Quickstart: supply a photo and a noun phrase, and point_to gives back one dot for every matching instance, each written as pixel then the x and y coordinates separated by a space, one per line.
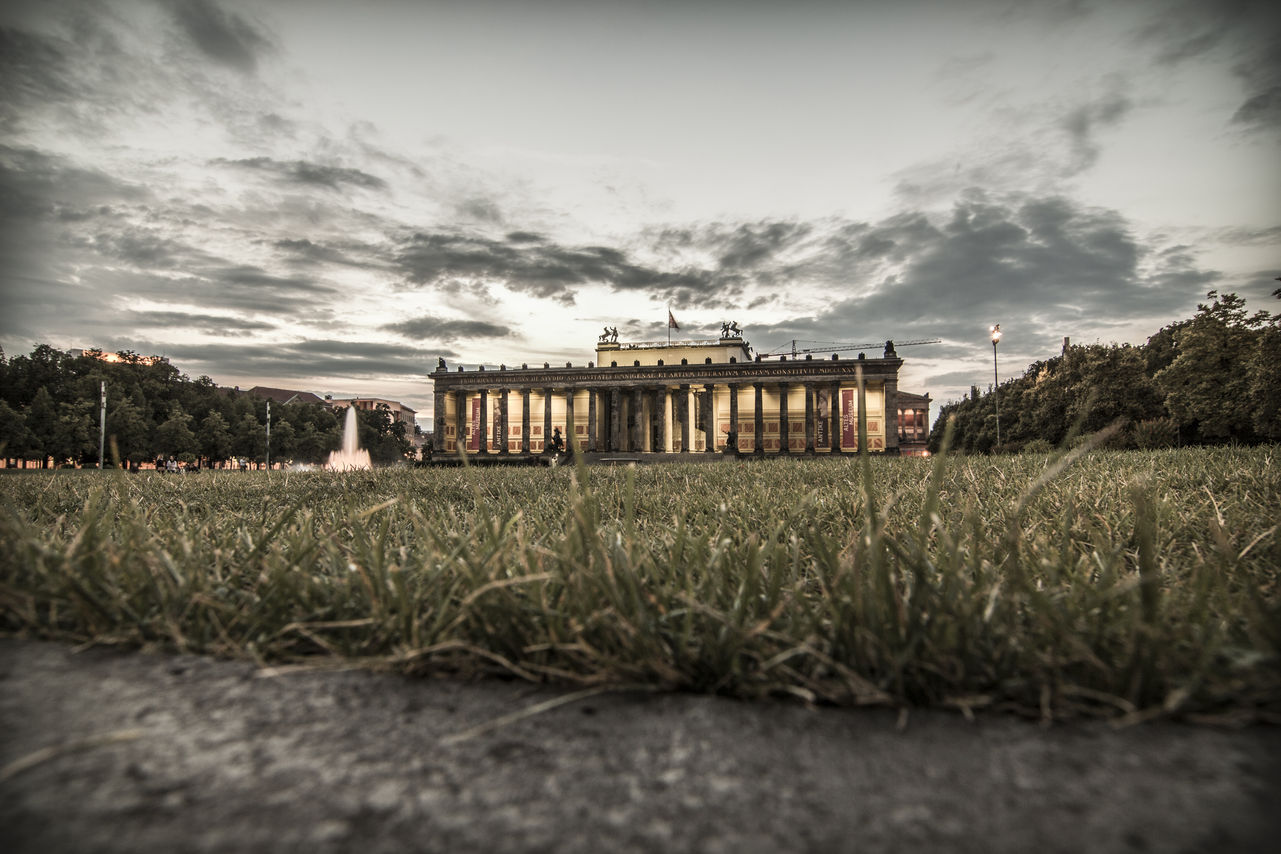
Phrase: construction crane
pixel 838 347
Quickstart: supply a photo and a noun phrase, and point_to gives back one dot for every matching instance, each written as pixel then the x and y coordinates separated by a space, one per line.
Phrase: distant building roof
pixel 907 398
pixel 284 395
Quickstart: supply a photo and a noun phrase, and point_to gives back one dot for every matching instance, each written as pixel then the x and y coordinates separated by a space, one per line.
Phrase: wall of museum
pixel 671 433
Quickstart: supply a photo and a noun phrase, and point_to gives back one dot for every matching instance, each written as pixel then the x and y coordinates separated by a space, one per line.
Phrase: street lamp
pixel 996 388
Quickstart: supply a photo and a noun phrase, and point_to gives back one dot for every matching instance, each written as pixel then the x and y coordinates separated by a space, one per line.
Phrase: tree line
pixel 50 409
pixel 1210 379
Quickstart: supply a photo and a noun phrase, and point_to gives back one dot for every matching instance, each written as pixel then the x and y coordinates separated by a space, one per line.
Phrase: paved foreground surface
pixel 107 751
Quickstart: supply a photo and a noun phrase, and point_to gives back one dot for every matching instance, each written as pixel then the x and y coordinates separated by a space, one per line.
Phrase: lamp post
pixel 996 377
pixel 102 425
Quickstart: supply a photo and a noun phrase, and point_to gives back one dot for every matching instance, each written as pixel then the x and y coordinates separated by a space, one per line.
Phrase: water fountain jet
pixel 350 457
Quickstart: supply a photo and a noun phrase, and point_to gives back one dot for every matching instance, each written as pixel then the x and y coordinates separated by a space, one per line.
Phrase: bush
pixel 1155 433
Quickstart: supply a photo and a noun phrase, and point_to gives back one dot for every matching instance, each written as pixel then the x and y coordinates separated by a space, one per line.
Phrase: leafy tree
pixel 1205 387
pixel 214 438
pixel 1263 378
pixel 313 445
pixel 249 439
pixel 74 436
pixel 174 436
pixel 15 438
pixel 382 435
pixel 129 429
pixel 283 440
pixel 41 420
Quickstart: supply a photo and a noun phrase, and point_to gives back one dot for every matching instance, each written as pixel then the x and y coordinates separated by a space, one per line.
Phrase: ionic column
pixel 483 427
pixel 439 429
pixel 637 438
pixel 660 412
pixel 733 415
pixel 460 421
pixel 524 421
pixel 591 420
pixel 684 407
pixel 709 420
pixel 614 440
pixel 809 418
pixel 504 423
pixel 889 393
pixel 547 421
pixel 784 424
pixel 569 419
pixel 758 420
pixel 836 418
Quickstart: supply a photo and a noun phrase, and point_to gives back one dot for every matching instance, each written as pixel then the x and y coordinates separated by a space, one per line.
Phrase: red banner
pixel 849 419
pixel 473 428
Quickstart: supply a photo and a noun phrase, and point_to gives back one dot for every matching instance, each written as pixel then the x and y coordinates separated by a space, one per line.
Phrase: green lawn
pixel 1120 584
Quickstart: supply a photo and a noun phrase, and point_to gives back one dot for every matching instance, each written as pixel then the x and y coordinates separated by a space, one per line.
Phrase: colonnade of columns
pixel 643 418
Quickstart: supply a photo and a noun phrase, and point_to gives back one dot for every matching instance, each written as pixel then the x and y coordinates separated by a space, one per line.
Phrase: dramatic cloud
pixel 209 324
pixel 1246 32
pixel 313 174
pixel 222 36
pixel 35 70
pixel 148 249
pixel 1083 122
pixel 341 360
pixel 1261 74
pixel 1056 264
pixel 529 265
pixel 440 329
pixel 347 253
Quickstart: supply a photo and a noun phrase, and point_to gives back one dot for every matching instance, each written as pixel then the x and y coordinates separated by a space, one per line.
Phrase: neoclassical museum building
pixel 681 397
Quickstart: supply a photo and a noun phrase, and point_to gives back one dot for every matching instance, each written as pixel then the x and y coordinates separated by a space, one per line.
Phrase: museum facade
pixel 677 398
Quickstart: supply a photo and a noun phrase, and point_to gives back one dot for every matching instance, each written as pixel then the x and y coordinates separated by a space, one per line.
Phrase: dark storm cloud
pixel 209 324
pixel 542 268
pixel 146 248
pixel 302 251
pixel 482 210
pixel 34 69
pixel 1261 74
pixel 1180 32
pixel 43 186
pixel 312 358
pixel 749 246
pixel 1246 31
pixel 224 37
pixel 222 287
pixel 70 73
pixel 306 173
pixel 1083 122
pixel 45 201
pixel 441 329
pixel 257 283
pixel 1249 236
pixel 1051 262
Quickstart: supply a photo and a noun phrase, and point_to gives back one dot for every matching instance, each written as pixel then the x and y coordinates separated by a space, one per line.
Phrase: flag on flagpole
pixel 671 321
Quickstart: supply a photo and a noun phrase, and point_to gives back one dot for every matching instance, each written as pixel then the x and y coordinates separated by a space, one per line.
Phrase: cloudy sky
pixel 329 195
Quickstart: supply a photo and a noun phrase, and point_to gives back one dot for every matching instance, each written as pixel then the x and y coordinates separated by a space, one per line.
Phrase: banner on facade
pixel 822 418
pixel 849 420
pixel 473 427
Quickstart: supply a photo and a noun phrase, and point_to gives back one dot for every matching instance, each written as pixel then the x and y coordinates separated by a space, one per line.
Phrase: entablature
pixel 627 376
